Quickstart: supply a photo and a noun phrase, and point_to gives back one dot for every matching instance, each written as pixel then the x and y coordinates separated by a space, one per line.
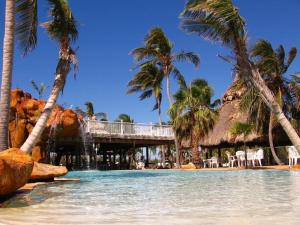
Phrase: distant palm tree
pixel 194 114
pixel 158 50
pixel 89 109
pixel 243 129
pixel 124 118
pixel 219 21
pixel 148 82
pixel 20 17
pixel 63 29
pixel 40 89
pixel 272 65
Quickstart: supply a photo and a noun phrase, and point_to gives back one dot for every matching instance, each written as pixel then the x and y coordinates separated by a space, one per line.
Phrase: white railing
pixel 129 129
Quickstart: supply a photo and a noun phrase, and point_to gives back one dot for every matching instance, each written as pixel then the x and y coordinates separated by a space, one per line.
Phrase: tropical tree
pixel 272 65
pixel 89 112
pixel 243 129
pixel 124 118
pixel 158 50
pixel 219 21
pixel 63 29
pixel 148 82
pixel 194 114
pixel 40 89
pixel 19 16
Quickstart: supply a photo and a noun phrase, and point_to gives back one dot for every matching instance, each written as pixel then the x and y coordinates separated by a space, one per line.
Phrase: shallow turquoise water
pixel 162 197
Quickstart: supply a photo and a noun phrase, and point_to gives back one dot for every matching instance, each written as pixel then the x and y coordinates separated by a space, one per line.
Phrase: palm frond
pixel 26 24
pixel 187 56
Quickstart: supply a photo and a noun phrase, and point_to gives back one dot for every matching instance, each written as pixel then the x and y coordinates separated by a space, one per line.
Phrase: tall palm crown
pixel 157 50
pixel 217 21
pixel 148 82
pixel 194 114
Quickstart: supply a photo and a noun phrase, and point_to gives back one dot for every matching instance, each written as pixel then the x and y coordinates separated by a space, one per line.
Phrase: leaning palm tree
pixel 272 64
pixel 158 50
pixel 219 21
pixel 193 113
pixel 148 82
pixel 20 15
pixel 63 29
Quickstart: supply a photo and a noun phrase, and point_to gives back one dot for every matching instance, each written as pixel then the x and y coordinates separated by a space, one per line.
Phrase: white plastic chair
pixel 214 161
pixel 231 159
pixel 259 155
pixel 251 157
pixel 293 155
pixel 240 155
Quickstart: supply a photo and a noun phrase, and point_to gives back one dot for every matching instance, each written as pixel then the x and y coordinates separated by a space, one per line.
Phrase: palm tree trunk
pixel 275 108
pixel 195 151
pixel 171 101
pixel 277 160
pixel 170 98
pixel 7 66
pixel 62 71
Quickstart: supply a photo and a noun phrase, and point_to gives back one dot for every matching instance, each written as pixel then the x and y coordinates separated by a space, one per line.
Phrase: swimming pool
pixel 162 197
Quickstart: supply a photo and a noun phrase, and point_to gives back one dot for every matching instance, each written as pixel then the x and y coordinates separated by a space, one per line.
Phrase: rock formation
pixel 15 170
pixel 24 113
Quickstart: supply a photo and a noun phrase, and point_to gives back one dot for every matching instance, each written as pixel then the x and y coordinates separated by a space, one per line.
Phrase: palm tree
pixel 148 82
pixel 89 109
pixel 124 118
pixel 158 50
pixel 40 89
pixel 19 15
pixel 219 21
pixel 193 113
pixel 63 29
pixel 272 65
pixel 243 129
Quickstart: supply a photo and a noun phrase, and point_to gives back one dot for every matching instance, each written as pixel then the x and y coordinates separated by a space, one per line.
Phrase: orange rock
pixel 70 124
pixel 38 154
pixel 18 133
pixel 15 170
pixel 43 171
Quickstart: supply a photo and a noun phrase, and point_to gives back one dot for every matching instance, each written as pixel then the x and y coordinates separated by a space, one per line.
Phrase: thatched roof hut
pixel 229 114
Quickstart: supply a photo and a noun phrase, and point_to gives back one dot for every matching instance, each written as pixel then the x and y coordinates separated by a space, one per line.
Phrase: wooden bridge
pixel 137 134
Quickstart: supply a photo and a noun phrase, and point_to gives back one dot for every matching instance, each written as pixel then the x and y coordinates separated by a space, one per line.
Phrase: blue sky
pixel 110 29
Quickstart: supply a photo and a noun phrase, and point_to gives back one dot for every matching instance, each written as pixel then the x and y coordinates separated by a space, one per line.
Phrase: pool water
pixel 162 197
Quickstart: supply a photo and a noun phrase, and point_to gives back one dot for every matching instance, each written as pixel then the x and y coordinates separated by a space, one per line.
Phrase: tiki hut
pixel 229 114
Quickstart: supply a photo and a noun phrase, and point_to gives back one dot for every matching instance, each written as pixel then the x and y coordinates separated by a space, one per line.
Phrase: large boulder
pixel 46 172
pixel 15 170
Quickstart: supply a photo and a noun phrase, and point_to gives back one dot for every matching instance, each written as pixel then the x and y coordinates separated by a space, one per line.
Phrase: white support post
pixel 122 128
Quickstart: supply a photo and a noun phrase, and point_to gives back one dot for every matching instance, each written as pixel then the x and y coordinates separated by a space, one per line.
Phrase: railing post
pixel 151 129
pixel 122 128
